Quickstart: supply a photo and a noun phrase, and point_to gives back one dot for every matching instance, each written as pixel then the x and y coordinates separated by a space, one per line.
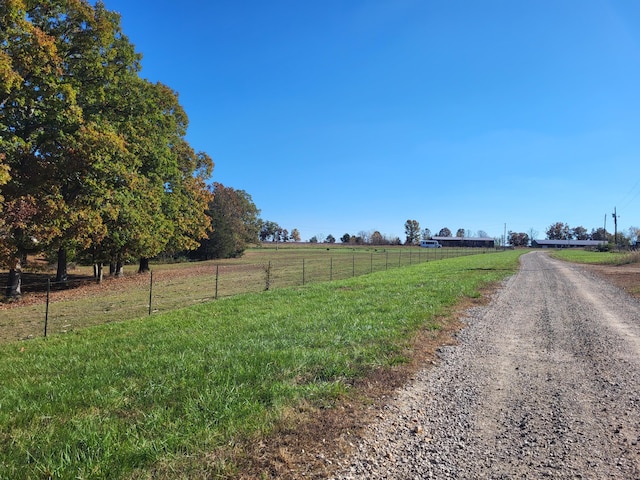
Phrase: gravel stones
pixel 544 383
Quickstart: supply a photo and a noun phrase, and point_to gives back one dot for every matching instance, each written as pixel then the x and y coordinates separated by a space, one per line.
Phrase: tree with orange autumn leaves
pixel 93 158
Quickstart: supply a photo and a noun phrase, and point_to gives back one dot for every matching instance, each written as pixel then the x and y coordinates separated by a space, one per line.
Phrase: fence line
pixel 165 290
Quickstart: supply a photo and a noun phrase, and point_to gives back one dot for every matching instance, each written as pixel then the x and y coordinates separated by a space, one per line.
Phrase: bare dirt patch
pixel 626 277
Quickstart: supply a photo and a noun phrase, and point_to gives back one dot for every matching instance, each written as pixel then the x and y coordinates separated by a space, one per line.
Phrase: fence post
pixel 268 277
pixel 46 311
pixel 386 261
pixel 217 270
pixel 303 271
pixel 330 269
pixel 150 290
pixel 353 266
pixel 371 269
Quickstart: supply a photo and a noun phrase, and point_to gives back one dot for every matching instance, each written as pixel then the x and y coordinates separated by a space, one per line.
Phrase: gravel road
pixel 544 383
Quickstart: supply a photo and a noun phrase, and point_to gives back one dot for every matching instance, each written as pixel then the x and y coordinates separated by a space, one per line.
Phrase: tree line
pixel 562 231
pixel 413 235
pixel 93 158
pixel 94 163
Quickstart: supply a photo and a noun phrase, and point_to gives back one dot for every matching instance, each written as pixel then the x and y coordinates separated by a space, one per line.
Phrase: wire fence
pixel 56 308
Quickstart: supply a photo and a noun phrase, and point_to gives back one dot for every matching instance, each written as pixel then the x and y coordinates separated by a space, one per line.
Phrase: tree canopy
pixel 94 158
pixel 412 232
pixel 235 221
pixel 518 239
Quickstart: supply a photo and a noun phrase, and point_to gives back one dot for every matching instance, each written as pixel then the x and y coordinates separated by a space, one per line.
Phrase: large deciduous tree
pixel 412 232
pixel 579 233
pixel 601 234
pixel 518 239
pixel 377 238
pixel 234 221
pixel 38 112
pixel 558 231
pixel 444 232
pixel 96 155
pixel 270 229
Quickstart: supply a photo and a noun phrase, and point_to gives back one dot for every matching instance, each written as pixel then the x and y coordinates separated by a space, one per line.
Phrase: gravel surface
pixel 545 383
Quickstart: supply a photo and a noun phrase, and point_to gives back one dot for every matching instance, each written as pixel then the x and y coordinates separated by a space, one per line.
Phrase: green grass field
pixel 191 283
pixel 584 256
pixel 156 397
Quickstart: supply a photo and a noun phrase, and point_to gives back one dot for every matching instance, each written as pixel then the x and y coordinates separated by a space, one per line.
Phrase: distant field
pixel 584 256
pixel 176 394
pixel 182 284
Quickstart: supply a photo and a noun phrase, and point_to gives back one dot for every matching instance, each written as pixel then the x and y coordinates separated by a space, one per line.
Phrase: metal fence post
pixel 217 270
pixel 46 311
pixel 150 290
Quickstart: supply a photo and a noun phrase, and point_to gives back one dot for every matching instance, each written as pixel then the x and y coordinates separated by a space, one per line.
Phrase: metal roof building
pixel 567 243
pixel 482 242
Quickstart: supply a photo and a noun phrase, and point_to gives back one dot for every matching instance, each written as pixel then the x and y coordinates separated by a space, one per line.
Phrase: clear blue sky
pixel 356 115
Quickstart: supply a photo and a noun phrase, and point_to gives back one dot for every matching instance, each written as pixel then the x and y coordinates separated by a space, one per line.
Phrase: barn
pixel 567 243
pixel 479 242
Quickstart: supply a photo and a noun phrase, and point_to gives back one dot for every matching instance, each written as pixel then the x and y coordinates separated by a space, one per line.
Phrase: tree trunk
pixel 61 273
pixel 144 265
pixel 119 272
pixel 14 283
pixel 97 272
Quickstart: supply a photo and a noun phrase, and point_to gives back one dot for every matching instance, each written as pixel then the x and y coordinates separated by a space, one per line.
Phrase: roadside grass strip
pixel 606 258
pixel 156 397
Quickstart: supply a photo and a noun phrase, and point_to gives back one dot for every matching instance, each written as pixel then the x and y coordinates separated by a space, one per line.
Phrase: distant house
pixel 480 242
pixel 567 243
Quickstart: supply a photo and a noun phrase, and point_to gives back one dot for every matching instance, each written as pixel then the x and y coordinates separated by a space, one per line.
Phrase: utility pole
pixel 504 237
pixel 615 226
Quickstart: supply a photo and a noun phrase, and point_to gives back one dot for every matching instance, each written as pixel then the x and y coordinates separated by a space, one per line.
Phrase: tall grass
pixel 150 398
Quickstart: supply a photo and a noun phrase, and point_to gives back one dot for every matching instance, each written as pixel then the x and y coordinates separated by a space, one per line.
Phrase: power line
pixel 631 194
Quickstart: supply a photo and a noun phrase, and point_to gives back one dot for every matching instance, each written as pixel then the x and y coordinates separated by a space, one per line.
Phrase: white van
pixel 430 244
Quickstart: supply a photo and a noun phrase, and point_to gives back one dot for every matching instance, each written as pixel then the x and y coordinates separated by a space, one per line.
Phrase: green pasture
pixel 585 256
pixel 178 285
pixel 174 394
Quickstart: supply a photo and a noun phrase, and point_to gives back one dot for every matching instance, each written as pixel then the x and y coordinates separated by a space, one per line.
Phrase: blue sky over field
pixel 355 115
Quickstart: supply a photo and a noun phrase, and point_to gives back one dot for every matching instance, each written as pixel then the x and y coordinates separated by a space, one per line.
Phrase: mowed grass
pixel 607 258
pixel 172 395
